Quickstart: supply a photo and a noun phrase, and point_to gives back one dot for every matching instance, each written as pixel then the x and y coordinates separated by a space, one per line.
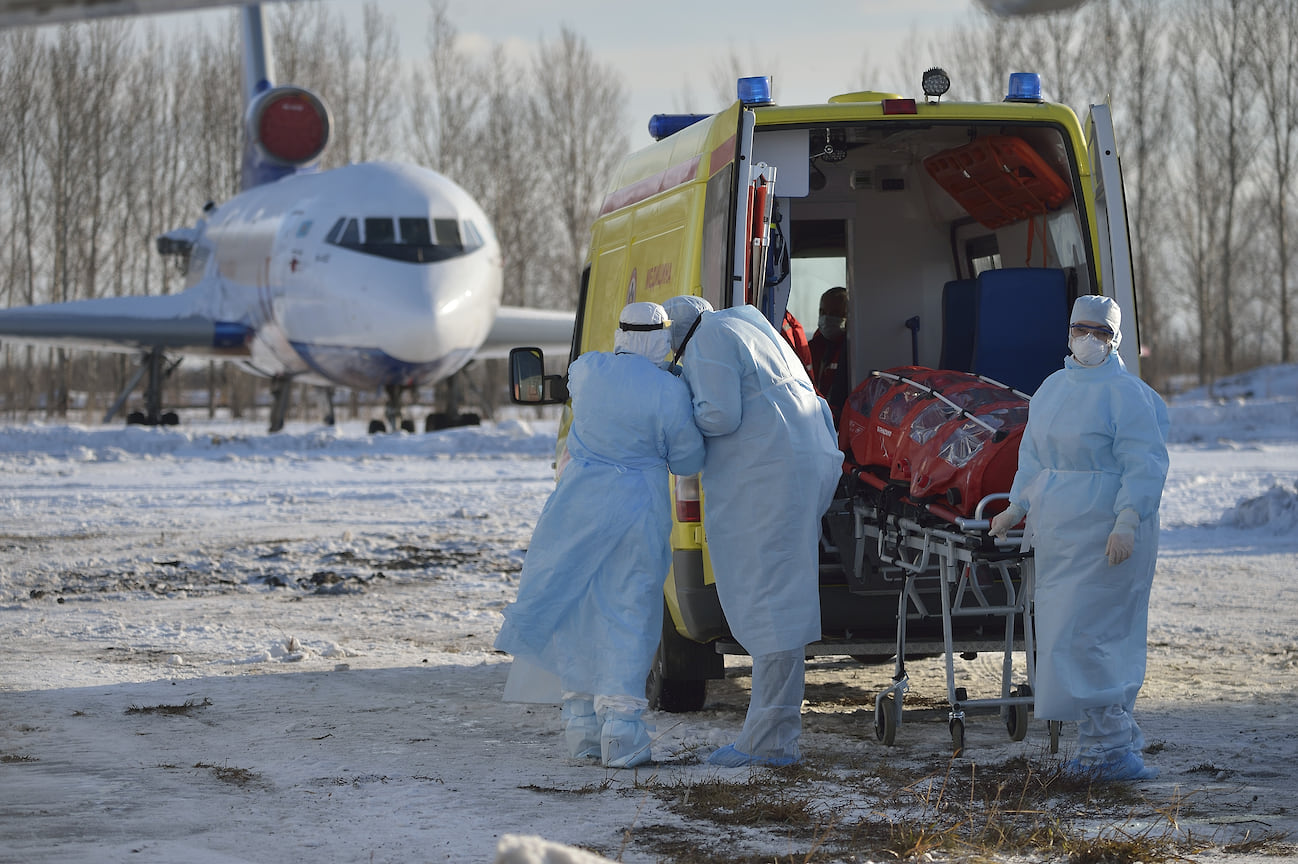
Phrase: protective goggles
pixel 1104 334
pixel 643 328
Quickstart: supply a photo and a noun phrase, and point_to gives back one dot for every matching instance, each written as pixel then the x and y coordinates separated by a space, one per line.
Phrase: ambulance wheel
pixel 885 720
pixel 957 736
pixel 1016 721
pixel 378 427
pixel 678 678
pixel 408 426
pixel 673 695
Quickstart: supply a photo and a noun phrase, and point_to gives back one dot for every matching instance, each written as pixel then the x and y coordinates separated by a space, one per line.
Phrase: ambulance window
pixel 809 278
pixel 982 253
pixel 714 260
pixel 379 230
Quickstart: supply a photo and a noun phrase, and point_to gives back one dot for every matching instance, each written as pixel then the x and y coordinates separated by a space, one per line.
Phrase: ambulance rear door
pixel 1116 273
pixel 752 197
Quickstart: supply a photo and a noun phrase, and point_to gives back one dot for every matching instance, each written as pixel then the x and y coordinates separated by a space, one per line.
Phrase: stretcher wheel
pixel 957 736
pixel 1016 721
pixel 1054 727
pixel 885 720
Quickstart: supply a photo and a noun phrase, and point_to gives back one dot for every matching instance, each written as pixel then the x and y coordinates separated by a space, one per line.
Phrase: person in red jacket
pixel 828 345
pixel 796 335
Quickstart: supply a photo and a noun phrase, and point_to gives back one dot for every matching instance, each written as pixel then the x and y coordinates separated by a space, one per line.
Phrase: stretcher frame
pixel 947 558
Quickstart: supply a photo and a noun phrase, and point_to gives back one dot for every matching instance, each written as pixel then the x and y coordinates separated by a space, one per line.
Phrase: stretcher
pixel 930 458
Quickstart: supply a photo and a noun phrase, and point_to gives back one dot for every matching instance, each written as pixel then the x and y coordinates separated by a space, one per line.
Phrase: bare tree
pixel 1218 31
pixel 1131 63
pixel 982 55
pixel 446 97
pixel 1274 37
pixel 577 111
pixel 378 77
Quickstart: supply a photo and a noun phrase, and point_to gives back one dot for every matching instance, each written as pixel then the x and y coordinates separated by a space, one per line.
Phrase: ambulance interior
pixel 961 245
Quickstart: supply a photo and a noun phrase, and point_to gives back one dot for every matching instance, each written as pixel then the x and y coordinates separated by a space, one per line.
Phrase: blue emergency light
pixel 755 90
pixel 662 125
pixel 1024 87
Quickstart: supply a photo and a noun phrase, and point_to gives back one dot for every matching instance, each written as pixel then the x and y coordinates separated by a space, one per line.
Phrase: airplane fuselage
pixel 366 276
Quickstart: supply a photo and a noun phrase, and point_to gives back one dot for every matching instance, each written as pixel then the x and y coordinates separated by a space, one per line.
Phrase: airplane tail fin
pixel 287 128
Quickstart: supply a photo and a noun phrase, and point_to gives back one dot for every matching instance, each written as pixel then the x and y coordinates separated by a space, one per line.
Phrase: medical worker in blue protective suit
pixel 772 466
pixel 1091 470
pixel 590 601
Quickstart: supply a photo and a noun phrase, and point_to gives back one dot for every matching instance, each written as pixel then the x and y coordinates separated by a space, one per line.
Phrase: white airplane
pixel 372 275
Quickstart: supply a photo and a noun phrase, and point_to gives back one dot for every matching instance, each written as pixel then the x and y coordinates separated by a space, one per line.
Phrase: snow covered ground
pixel 218 645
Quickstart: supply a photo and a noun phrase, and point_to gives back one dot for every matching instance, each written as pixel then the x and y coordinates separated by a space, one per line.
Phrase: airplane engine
pixel 290 126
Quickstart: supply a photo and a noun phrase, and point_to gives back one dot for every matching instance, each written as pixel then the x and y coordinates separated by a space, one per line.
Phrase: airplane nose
pixel 424 323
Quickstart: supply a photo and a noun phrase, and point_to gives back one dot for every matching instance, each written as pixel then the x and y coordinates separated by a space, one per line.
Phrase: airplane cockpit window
pixel 379 231
pixel 448 233
pixel 414 232
pixel 406 238
pixel 472 239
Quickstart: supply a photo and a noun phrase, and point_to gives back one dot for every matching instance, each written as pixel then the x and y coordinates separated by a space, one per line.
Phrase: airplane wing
pixel 176 322
pixel 27 13
pixel 517 326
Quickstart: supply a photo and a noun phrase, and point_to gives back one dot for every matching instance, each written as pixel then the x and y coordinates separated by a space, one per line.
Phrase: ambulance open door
pixel 753 197
pixel 1116 273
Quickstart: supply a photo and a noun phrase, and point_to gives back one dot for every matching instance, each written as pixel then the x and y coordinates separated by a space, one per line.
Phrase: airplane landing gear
pixel 452 416
pixel 154 366
pixel 392 411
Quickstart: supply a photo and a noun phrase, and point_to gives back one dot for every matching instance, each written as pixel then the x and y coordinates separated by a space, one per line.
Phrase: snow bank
pixel 1276 509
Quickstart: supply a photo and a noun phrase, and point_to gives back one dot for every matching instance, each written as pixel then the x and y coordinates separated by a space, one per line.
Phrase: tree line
pixel 112 132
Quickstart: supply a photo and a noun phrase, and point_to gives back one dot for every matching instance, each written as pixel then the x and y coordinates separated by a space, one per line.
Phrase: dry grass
pixel 953 810
pixel 189 707
pixel 240 777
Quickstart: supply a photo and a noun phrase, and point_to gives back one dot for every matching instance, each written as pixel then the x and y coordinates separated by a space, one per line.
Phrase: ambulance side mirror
pixel 529 385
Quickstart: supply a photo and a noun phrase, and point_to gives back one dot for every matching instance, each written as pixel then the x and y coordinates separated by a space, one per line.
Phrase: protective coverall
pixel 772 466
pixel 1092 465
pixel 589 605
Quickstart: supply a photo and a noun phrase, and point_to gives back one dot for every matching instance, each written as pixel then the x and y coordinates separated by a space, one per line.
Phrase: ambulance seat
pixel 1020 325
pixel 959 306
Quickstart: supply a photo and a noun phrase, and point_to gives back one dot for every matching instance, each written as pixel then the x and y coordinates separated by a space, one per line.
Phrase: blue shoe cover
pixel 729 757
pixel 1129 766
pixel 582 736
pixel 624 743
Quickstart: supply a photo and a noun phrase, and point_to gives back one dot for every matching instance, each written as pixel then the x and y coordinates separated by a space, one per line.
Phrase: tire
pixel 678 679
pixel 378 427
pixel 1016 719
pixel 674 695
pixel 885 721
pixel 957 736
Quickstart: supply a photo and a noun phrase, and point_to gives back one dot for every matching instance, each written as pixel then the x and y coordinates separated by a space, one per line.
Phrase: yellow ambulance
pixel 962 232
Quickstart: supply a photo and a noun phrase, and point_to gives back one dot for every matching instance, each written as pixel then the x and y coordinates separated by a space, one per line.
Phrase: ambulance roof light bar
pixel 1024 87
pixel 662 125
pixel 755 90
